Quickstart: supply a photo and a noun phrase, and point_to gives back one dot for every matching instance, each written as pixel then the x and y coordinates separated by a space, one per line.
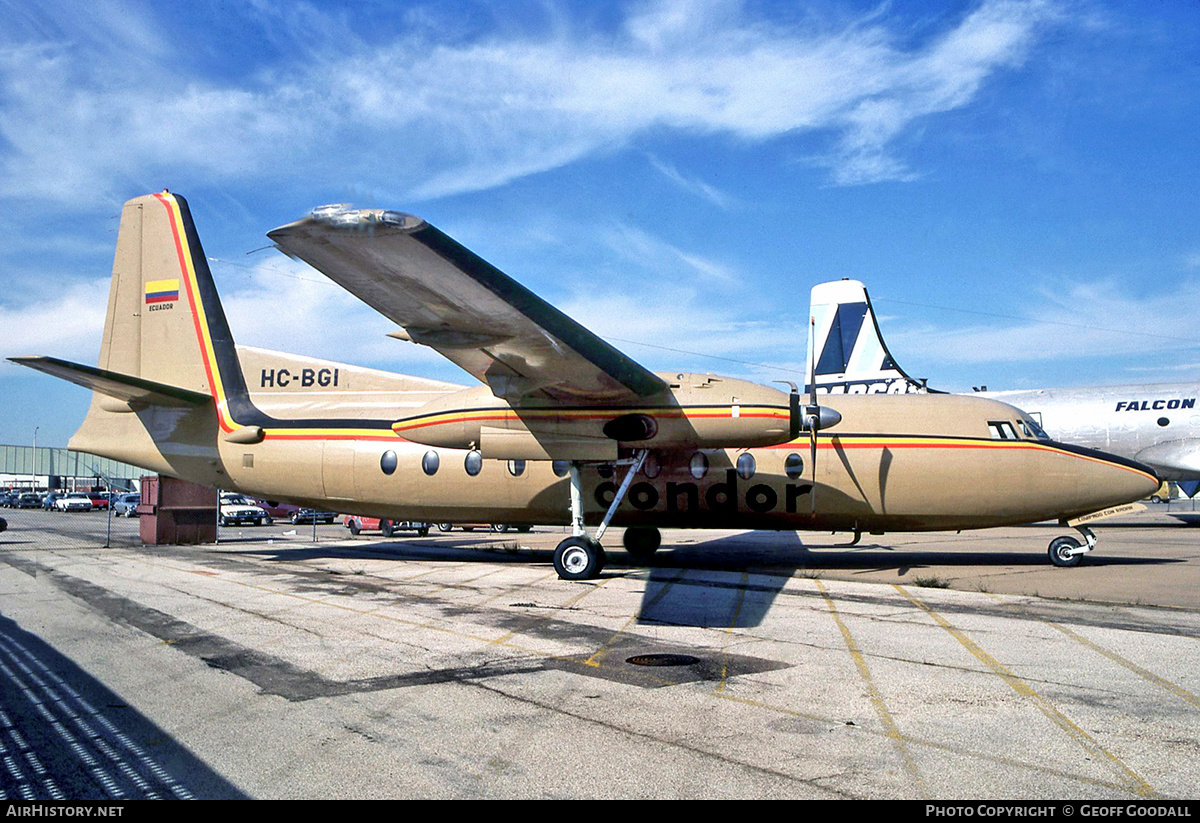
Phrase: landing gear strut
pixel 581 557
pixel 1066 551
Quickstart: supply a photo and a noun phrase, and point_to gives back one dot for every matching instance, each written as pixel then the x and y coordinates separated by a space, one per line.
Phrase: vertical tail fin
pixel 165 323
pixel 849 355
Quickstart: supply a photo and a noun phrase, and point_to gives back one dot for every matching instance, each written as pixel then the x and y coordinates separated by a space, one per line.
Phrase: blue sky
pixel 1016 182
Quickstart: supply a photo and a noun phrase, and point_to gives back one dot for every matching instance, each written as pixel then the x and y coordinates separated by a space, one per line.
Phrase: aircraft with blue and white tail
pixel 1156 424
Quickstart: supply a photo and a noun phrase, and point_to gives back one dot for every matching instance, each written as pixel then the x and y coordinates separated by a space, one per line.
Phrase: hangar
pixel 43 467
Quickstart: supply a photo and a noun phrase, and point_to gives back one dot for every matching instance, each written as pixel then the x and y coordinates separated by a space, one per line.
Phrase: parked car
pixel 3 524
pixel 100 500
pixel 73 502
pixel 356 523
pixel 491 527
pixel 7 498
pixel 28 500
pixel 236 509
pixel 125 505
pixel 307 515
pixel 273 508
pixel 48 500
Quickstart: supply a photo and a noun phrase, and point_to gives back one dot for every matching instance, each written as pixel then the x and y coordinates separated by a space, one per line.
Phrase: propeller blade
pixel 813 412
pixel 813 423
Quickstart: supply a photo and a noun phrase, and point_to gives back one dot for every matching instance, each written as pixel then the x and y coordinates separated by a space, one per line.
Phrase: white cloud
pixel 66 325
pixel 83 119
pixel 1085 321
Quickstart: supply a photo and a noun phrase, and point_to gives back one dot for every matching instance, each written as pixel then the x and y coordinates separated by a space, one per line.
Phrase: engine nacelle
pixel 695 411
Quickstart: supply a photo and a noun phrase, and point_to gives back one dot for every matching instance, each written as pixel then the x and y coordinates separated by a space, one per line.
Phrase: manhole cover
pixel 662 660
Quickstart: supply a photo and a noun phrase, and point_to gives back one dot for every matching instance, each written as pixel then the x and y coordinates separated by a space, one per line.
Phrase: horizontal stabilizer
pixel 132 390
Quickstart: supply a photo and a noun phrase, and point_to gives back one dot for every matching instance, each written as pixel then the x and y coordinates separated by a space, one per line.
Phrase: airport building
pixel 40 468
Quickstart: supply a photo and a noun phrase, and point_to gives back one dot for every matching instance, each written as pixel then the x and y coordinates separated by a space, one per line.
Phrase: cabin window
pixel 652 465
pixel 745 465
pixel 699 465
pixel 473 462
pixel 387 462
pixel 430 463
pixel 560 467
pixel 1002 430
pixel 793 465
pixel 1162 421
pixel 516 467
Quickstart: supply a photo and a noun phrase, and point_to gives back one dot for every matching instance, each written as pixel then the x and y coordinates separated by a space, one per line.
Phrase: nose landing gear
pixel 1066 551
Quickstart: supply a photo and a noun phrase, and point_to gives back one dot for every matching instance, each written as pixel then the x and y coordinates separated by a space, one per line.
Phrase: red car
pixel 357 523
pixel 100 500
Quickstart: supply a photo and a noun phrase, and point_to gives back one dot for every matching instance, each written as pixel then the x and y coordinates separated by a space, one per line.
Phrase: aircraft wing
pixel 446 297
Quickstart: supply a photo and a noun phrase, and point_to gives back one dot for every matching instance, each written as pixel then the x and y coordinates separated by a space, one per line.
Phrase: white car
pixel 73 502
pixel 236 509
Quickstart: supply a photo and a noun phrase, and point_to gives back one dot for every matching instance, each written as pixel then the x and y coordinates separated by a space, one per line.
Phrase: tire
pixel 1058 552
pixel 641 542
pixel 445 527
pixel 500 528
pixel 294 518
pixel 524 529
pixel 353 527
pixel 578 558
pixel 387 528
pixel 423 532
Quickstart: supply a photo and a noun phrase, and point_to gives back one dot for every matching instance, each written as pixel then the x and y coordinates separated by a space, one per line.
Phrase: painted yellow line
pixel 1174 689
pixel 891 730
pixel 594 660
pixel 737 614
pixel 1133 781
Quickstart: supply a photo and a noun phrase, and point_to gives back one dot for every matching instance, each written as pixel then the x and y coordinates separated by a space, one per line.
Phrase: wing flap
pixel 447 297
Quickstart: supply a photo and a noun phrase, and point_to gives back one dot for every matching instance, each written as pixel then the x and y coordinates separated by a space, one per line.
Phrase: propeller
pixel 815 416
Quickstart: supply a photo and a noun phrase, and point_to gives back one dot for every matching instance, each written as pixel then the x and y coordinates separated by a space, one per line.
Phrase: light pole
pixel 33 485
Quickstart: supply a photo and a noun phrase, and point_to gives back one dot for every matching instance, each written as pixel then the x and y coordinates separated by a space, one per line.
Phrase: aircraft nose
pixel 1116 480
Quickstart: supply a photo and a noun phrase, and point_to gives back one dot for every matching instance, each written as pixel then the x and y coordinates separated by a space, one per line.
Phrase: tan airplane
pixel 563 429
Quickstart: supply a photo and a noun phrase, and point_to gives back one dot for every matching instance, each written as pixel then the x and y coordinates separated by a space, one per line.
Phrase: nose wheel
pixel 1066 551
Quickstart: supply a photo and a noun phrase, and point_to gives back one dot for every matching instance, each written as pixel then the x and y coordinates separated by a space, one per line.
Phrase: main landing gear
pixel 1066 551
pixel 581 557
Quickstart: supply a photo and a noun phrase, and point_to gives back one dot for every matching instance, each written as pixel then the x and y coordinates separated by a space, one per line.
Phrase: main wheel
pixel 1060 551
pixel 578 558
pixel 642 541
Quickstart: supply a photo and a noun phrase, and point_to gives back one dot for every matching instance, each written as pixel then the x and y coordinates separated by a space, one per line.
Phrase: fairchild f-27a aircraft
pixel 562 428
pixel 1155 424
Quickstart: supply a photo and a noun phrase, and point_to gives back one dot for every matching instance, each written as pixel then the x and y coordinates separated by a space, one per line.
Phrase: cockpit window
pixel 1002 430
pixel 1031 428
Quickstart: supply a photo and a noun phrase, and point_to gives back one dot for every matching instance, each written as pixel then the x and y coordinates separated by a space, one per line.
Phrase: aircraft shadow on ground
pixel 745 572
pixel 68 735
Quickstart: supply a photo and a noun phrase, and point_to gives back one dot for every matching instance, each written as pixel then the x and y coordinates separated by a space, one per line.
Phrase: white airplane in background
pixel 1155 424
